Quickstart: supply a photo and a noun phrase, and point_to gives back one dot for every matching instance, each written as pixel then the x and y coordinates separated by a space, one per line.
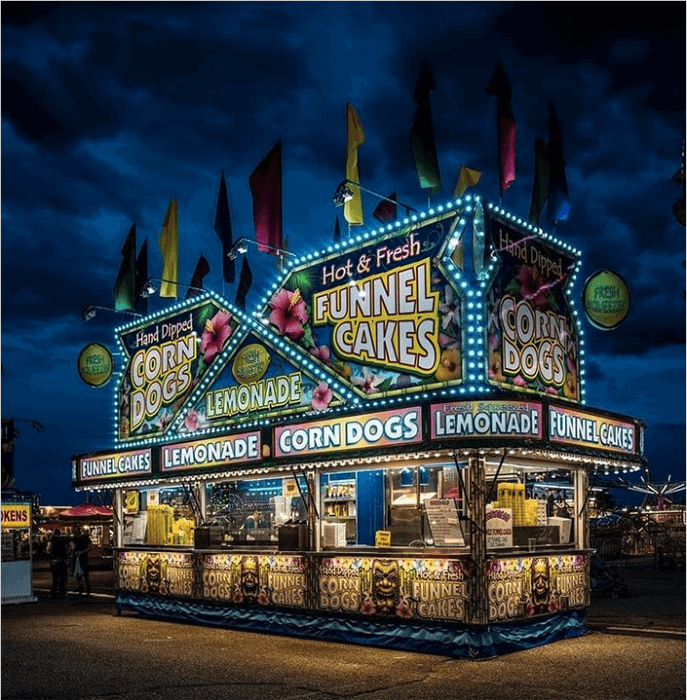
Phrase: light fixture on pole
pixel 240 248
pixel 89 312
pixel 344 194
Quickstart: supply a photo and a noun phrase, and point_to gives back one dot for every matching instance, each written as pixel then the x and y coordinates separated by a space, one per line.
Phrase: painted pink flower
pixel 368 382
pixel 551 390
pixel 321 396
pixel 263 599
pixel 533 288
pixel 215 335
pixel 368 608
pixel 519 381
pixel 192 421
pixel 323 354
pixel 553 606
pixel 288 313
pixel 404 610
pixel 238 597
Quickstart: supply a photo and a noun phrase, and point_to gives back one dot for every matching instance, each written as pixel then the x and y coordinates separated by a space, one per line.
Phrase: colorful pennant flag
pixel 422 133
pixel 125 284
pixel 386 210
pixel 245 283
pixel 337 230
pixel 558 206
pixel 355 137
pixel 196 285
pixel 507 130
pixel 142 278
pixel 265 186
pixel 540 185
pixel 169 247
pixel 223 230
pixel 467 177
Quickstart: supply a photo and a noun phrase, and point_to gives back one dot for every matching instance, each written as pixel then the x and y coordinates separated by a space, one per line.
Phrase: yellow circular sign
pixel 251 363
pixel 606 299
pixel 95 364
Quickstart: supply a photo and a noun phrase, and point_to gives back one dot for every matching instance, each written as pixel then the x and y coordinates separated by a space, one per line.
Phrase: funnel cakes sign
pixel 533 340
pixel 383 316
pixel 165 360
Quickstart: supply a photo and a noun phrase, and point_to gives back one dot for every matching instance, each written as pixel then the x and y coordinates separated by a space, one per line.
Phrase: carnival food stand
pixel 369 456
pixel 17 555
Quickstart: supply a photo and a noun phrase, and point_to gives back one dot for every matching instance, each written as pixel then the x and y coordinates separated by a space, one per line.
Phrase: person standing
pixel 82 546
pixel 59 551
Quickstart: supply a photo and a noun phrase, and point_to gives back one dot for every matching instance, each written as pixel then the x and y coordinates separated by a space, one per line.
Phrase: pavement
pixel 79 649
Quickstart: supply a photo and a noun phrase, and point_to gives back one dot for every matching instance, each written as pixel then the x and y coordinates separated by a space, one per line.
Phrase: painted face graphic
pixel 153 572
pixel 249 578
pixel 540 584
pixel 385 584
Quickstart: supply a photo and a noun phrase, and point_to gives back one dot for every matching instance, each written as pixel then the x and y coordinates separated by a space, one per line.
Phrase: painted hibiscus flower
pixel 323 354
pixel 404 610
pixel 288 313
pixel 368 382
pixel 368 608
pixel 519 381
pixel 450 309
pixel 215 335
pixel 321 396
pixel 449 366
pixel 192 421
pixel 533 287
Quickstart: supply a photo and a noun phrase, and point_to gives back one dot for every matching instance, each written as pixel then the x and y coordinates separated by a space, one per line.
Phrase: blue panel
pixel 370 491
pixel 452 640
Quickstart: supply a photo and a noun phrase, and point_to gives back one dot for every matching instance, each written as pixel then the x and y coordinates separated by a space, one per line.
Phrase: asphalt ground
pixel 79 649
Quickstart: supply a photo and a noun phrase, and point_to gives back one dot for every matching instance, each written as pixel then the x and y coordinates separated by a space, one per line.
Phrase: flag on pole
pixel 422 133
pixel 506 128
pixel 355 137
pixel 558 206
pixel 169 247
pixel 223 230
pixel 386 210
pixel 125 284
pixel 142 278
pixel 337 230
pixel 265 186
pixel 540 185
pixel 196 285
pixel 467 177
pixel 245 283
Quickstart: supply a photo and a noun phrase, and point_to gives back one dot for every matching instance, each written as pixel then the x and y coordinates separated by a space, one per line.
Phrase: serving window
pixel 418 505
pixel 162 516
pixel 253 512
pixel 531 508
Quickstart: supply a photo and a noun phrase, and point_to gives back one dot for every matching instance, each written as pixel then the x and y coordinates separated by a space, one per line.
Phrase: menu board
pixel 443 522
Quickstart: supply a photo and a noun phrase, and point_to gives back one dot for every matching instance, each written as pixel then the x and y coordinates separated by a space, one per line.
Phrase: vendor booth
pixel 393 449
pixel 17 579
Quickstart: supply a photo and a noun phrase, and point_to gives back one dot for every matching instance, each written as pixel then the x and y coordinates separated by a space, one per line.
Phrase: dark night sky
pixel 111 109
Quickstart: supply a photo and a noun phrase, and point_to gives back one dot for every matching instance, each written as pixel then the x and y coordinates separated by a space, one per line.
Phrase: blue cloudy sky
pixel 109 110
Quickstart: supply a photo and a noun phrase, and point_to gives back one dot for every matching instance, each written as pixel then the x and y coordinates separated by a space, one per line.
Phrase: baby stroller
pixel 605 581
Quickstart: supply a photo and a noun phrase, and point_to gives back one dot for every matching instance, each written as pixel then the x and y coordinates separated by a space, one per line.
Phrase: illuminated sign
pixel 16 515
pixel 231 449
pixel 384 316
pixel 535 585
pixel 400 588
pixel 467 419
pixel 132 463
pixel 388 319
pixel 258 381
pixel 261 395
pixel 532 337
pixel 397 427
pixel 166 359
pixel 606 299
pixel 95 364
pixel 586 430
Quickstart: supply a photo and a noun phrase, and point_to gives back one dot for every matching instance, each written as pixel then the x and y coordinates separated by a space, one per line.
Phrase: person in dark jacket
pixel 59 552
pixel 82 546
